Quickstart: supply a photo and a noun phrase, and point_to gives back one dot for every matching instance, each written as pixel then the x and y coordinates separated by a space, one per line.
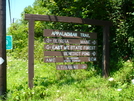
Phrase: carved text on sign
pixel 70 67
pixel 70 34
pixel 57 33
pixel 70 53
pixel 70 41
pixel 70 59
pixel 69 47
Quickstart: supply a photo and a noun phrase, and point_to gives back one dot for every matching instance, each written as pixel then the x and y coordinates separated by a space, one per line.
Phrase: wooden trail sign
pixel 71 67
pixel 68 34
pixel 70 41
pixel 70 53
pixel 63 45
pixel 70 59
pixel 32 18
pixel 70 47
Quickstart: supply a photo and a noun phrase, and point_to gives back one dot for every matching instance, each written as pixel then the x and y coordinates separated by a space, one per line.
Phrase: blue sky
pixel 17 7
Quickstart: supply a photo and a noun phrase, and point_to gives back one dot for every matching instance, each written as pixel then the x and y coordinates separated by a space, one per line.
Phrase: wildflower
pixel 58 90
pixel 119 89
pixel 128 61
pixel 24 92
pixel 111 79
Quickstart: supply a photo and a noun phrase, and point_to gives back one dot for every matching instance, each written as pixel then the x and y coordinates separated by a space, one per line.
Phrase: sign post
pixel 105 57
pixel 105 24
pixel 3 84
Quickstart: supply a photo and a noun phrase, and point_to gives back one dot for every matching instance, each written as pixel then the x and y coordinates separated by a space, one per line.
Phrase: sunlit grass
pixel 71 85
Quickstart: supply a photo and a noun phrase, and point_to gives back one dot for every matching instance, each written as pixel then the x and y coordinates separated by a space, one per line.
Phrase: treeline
pixel 119 12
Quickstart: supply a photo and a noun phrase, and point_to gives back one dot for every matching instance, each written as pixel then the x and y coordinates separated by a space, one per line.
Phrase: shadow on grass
pixel 68 77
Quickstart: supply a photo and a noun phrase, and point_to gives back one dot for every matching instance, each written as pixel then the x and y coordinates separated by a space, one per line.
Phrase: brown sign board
pixel 0 82
pixel 69 34
pixel 71 67
pixel 70 53
pixel 70 47
pixel 70 41
pixel 69 59
pixel 32 18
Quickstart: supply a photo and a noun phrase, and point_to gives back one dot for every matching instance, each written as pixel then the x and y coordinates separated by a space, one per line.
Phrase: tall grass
pixel 71 85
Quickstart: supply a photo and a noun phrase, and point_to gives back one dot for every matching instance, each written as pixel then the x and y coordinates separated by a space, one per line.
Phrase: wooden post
pixel 3 85
pixel 105 56
pixel 31 53
pixel 32 17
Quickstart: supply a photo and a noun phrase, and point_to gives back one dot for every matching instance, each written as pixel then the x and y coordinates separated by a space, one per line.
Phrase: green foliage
pixel 19 32
pixel 70 85
pixel 81 85
pixel 120 12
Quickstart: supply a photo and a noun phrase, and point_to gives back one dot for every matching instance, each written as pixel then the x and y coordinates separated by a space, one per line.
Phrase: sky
pixel 17 7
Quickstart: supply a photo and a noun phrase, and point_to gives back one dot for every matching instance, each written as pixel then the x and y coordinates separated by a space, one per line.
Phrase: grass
pixel 70 85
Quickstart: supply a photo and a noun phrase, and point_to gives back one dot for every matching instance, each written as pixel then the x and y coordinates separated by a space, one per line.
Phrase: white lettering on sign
pixel 62 41
pixel 1 60
pixel 86 53
pixel 89 47
pixel 57 41
pixel 94 53
pixel 70 41
pixel 92 59
pixel 78 53
pixel 85 41
pixel 50 60
pixel 94 42
pixel 48 47
pixel 63 33
pixel 71 53
pixel 57 47
pixel 76 47
pixel 66 47
pixel 84 35
pixel 69 47
pixel 48 40
pixel 68 67
pixel 84 67
pixel 65 67
pixel 71 60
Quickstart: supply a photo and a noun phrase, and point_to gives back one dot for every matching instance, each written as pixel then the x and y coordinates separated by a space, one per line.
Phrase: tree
pixel 3 84
pixel 120 12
